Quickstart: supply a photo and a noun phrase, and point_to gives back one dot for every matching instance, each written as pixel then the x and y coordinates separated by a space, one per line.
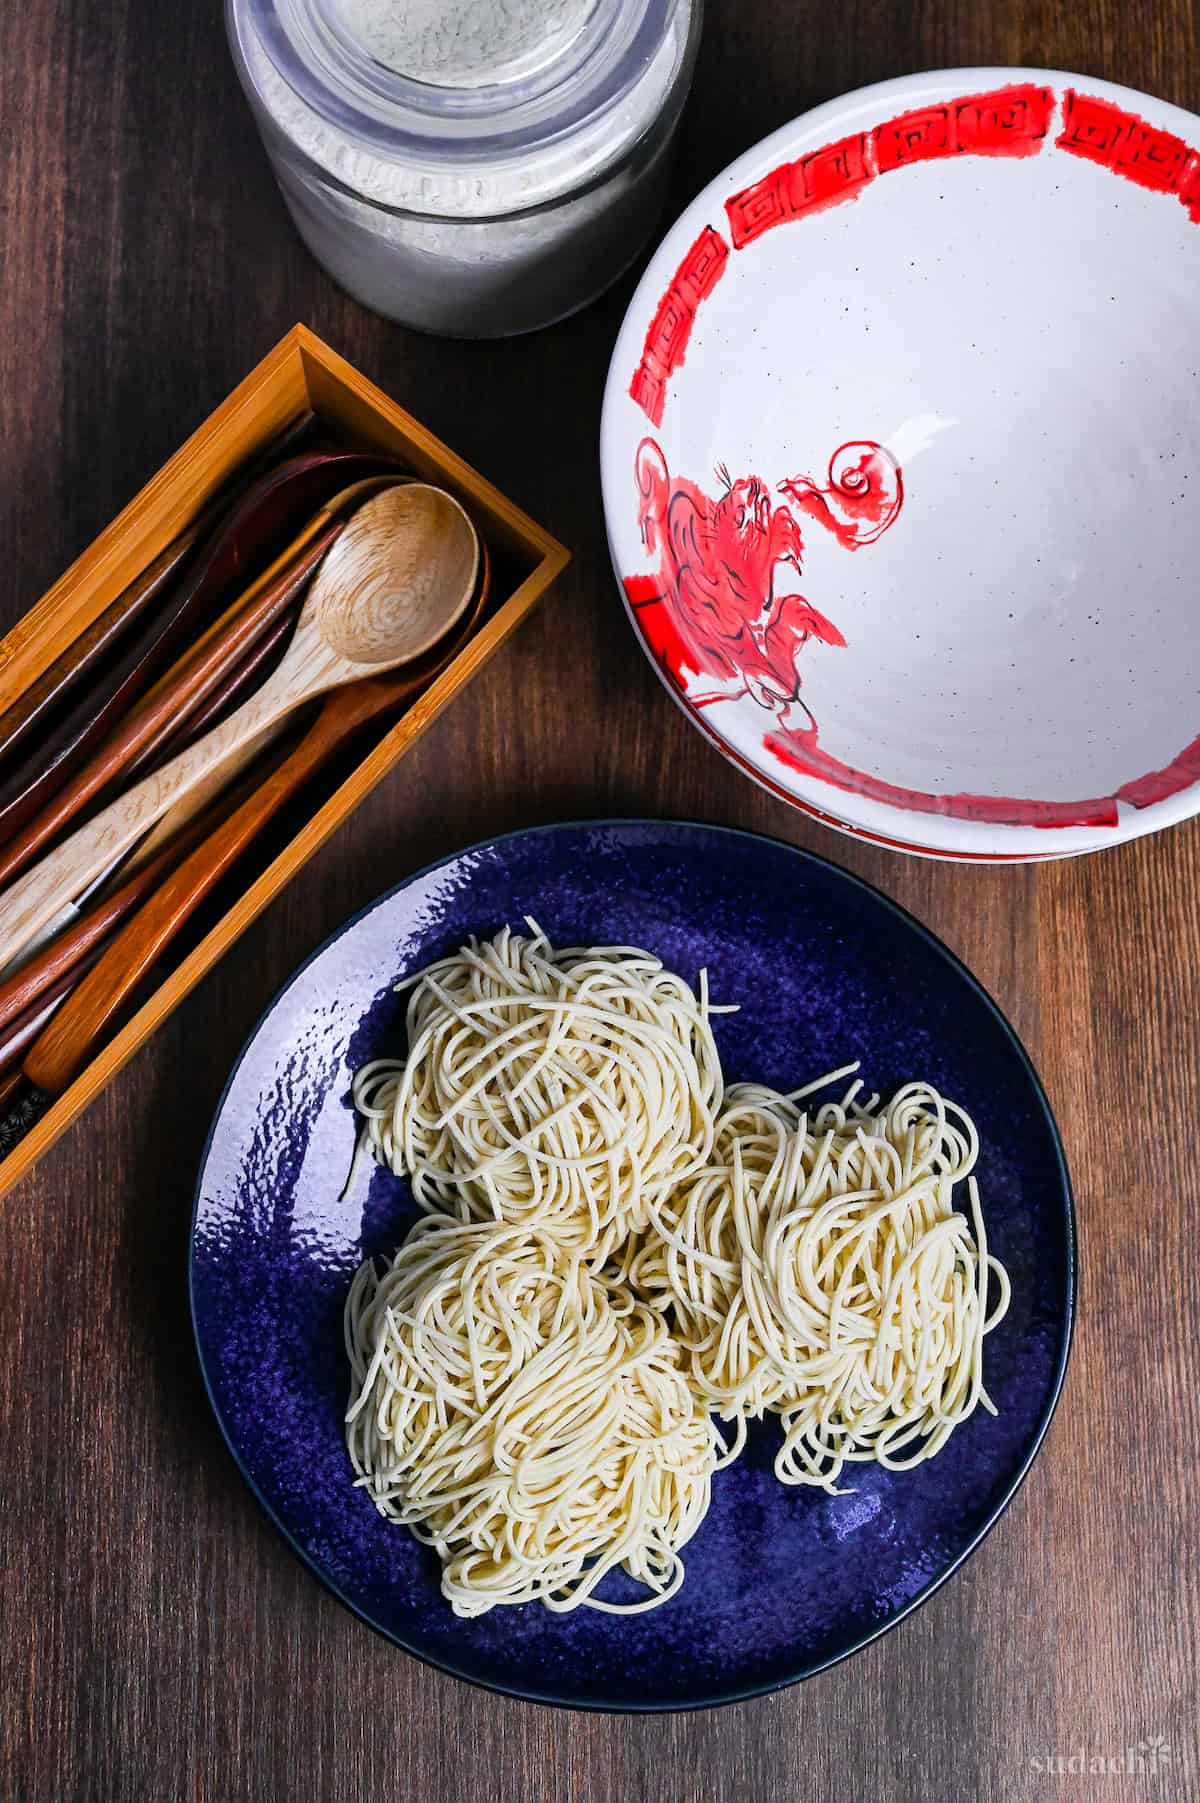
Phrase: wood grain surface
pixel 157 1640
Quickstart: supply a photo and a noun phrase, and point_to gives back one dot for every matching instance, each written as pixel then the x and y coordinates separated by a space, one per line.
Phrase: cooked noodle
pixel 622 1253
pixel 562 1090
pixel 819 1268
pixel 525 1420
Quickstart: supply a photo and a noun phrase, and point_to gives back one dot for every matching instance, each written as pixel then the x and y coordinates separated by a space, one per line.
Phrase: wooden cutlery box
pixel 300 375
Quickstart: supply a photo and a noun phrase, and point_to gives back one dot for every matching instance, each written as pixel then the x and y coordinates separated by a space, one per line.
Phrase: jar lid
pixel 463 108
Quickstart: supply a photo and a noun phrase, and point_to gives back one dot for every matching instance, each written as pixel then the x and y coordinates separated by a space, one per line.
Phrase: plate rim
pixel 741 1693
pixel 811 795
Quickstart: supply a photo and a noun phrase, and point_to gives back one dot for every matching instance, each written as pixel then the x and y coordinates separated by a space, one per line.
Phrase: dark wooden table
pixel 157 1640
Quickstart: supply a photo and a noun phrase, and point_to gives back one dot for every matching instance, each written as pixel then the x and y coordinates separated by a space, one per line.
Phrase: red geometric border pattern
pixel 823 178
pixel 1120 141
pixel 670 329
pixel 1008 121
pixel 1011 121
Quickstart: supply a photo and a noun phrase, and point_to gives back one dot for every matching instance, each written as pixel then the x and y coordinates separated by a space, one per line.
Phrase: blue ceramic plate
pixel 780 1582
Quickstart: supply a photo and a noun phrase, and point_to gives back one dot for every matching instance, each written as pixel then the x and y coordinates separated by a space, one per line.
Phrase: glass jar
pixel 471 167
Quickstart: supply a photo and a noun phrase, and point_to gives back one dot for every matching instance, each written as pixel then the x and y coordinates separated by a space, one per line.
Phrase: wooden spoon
pixel 221 775
pixel 269 513
pixel 216 653
pixel 401 574
pixel 164 714
pixel 244 678
pixel 152 721
pixel 67 1042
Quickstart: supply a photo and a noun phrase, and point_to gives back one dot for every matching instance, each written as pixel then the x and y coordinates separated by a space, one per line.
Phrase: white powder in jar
pixel 436 226
pixel 463 43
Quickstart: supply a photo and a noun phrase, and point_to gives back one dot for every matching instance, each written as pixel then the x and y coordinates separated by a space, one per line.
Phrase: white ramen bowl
pixel 901 463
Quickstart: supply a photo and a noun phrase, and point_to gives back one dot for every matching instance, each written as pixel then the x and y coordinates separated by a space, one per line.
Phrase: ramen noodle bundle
pixel 622 1263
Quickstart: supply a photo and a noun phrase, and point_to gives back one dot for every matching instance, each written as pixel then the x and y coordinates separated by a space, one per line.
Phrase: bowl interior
pixel 1019 334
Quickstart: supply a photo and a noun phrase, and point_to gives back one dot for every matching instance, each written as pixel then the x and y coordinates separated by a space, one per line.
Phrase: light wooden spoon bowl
pixel 399 577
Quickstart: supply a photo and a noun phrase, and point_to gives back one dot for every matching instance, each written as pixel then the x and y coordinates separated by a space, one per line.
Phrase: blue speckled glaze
pixel 780 1582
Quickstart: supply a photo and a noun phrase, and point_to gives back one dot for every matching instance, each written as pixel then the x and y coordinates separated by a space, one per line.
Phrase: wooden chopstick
pixel 24 1029
pixel 246 675
pixel 67 950
pixel 158 717
pixel 30 707
pixel 63 748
